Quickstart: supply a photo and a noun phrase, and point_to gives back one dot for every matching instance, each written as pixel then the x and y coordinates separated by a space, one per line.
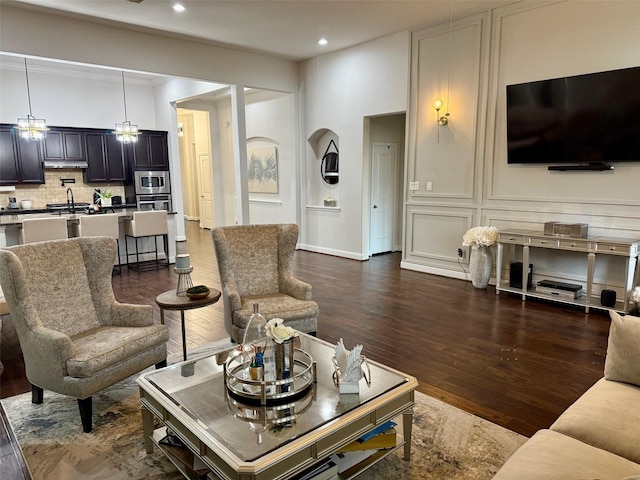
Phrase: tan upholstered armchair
pixel 75 337
pixel 255 266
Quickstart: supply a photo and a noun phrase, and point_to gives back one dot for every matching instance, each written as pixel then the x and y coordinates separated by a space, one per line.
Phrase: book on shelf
pixel 386 439
pixel 324 471
pixel 379 429
pixel 346 460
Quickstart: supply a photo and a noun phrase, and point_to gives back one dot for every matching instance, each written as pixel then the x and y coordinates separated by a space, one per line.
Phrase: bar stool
pixel 143 225
pixel 43 229
pixel 103 225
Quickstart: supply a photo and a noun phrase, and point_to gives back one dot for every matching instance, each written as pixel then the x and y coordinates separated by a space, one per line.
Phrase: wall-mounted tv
pixel 583 121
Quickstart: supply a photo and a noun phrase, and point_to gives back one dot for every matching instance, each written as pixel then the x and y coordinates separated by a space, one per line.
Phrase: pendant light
pixel 31 128
pixel 125 131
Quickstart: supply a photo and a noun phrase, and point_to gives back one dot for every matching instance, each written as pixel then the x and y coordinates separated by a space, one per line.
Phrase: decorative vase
pixel 480 265
pixel 283 359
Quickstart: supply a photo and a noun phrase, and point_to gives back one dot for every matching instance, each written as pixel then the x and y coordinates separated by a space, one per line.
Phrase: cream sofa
pixel 4 310
pixel 598 437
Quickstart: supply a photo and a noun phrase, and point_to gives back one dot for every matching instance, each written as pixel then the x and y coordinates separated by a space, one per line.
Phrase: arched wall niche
pixel 323 173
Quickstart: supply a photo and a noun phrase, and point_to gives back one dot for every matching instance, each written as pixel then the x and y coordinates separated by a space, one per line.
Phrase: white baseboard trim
pixel 441 271
pixel 331 251
pixel 434 270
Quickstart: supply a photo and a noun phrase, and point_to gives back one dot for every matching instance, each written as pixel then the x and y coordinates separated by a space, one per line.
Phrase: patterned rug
pixel 447 442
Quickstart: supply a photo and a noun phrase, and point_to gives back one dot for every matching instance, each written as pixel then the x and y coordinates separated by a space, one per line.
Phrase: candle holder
pixel 184 280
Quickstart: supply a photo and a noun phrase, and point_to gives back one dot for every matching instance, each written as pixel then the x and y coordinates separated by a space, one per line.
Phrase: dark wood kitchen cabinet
pixel 105 158
pixel 63 144
pixel 150 152
pixel 20 159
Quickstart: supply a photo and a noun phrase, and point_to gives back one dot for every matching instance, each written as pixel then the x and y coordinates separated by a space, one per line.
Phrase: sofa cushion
pixel 549 455
pixel 606 416
pixel 623 352
pixel 102 347
pixel 277 305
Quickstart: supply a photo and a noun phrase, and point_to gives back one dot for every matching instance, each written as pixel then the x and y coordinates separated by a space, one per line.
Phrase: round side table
pixel 170 301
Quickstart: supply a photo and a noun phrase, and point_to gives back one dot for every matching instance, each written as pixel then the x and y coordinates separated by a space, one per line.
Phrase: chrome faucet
pixel 70 204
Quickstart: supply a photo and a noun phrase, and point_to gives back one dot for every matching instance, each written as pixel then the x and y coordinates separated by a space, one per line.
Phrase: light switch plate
pixel 429 186
pixel 414 186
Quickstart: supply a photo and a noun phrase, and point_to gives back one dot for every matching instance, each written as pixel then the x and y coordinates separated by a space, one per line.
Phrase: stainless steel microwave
pixel 152 182
pixel 154 202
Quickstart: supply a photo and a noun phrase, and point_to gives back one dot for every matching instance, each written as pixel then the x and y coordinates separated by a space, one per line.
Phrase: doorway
pixel 195 166
pixel 386 138
pixel 383 197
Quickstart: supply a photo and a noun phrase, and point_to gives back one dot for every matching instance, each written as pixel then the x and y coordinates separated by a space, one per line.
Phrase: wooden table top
pixel 170 301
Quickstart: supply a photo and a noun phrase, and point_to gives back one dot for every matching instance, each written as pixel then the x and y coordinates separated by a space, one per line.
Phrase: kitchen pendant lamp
pixel 31 128
pixel 125 131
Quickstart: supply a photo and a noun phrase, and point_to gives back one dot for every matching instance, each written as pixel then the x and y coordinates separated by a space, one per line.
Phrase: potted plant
pixel 103 197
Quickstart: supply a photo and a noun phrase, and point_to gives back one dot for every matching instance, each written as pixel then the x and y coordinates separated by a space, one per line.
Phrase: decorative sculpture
pixel 348 368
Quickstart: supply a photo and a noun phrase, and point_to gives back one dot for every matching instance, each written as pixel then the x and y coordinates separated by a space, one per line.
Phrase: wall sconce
pixel 437 104
pixel 442 120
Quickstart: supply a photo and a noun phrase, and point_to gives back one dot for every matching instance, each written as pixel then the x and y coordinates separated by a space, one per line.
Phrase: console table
pixel 591 247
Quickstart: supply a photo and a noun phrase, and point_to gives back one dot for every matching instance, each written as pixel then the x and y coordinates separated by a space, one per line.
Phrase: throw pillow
pixel 623 352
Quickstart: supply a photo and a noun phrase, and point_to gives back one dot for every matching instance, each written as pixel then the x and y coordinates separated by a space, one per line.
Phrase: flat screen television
pixel 583 121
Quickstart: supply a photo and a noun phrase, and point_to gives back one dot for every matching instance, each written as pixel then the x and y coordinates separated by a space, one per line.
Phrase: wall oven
pixel 151 182
pixel 154 202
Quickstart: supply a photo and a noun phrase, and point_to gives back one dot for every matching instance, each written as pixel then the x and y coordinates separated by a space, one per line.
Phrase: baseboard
pixel 331 251
pixel 438 271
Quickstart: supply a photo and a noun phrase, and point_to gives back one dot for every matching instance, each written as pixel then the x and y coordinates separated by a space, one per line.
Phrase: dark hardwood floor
pixel 518 364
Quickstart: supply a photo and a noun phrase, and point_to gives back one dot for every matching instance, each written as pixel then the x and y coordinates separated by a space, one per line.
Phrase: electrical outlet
pixel 429 186
pixel 460 253
pixel 413 186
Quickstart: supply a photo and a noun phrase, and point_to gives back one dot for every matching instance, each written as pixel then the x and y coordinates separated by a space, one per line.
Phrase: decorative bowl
pixel 198 292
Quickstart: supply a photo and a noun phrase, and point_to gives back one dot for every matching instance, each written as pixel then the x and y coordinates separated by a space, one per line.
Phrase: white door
pixel 206 191
pixel 383 197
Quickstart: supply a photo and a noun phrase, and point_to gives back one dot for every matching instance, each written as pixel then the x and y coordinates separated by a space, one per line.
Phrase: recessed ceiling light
pixel 323 41
pixel 178 7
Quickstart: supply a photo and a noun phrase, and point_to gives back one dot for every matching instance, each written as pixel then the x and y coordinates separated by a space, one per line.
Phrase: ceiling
pixel 288 29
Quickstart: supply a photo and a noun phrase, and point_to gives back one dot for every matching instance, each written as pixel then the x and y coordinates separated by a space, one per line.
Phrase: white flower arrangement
pixel 279 332
pixel 635 295
pixel 480 236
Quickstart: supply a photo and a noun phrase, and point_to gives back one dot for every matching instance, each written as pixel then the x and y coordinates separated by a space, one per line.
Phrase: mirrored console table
pixel 591 247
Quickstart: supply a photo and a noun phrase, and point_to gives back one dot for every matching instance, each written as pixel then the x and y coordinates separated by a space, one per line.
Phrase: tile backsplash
pixel 52 190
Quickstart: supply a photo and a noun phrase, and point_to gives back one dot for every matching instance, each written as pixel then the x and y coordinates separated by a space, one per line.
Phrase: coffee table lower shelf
pixel 358 468
pixel 188 463
pixel 182 458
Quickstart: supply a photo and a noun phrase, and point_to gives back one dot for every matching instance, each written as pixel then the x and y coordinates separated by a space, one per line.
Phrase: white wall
pixel 272 116
pixel 48 35
pixel 473 185
pixel 67 100
pixel 338 91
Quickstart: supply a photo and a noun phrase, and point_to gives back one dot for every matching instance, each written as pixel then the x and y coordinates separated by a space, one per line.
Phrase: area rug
pixel 447 442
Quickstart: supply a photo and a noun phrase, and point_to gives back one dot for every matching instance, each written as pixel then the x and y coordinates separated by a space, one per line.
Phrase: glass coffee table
pixel 227 438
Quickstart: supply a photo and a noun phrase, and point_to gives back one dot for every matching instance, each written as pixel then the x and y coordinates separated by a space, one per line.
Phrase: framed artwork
pixel 262 164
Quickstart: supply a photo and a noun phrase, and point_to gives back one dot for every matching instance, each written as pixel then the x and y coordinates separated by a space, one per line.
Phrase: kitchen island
pixel 11 224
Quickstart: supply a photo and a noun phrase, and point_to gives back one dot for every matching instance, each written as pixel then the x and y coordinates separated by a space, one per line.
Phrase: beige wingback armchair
pixel 76 339
pixel 254 262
